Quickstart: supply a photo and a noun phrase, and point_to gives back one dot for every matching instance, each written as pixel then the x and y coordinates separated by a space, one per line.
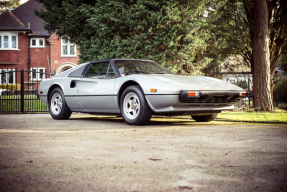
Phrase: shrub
pixel 242 83
pixel 10 86
pixel 280 93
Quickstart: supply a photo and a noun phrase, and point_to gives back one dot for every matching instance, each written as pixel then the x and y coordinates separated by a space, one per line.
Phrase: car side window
pixel 99 71
pixel 111 74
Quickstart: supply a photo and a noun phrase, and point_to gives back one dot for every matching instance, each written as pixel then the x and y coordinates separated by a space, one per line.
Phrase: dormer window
pixel 37 43
pixel 8 40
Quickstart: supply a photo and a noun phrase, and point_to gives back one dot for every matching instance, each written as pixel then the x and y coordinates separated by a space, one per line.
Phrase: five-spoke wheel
pixel 134 107
pixel 131 105
pixel 58 106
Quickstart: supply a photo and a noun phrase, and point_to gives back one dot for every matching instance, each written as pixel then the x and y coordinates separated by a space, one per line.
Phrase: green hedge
pixel 280 94
pixel 10 86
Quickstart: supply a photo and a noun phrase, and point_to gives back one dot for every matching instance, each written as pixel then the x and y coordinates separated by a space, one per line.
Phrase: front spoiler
pixel 171 104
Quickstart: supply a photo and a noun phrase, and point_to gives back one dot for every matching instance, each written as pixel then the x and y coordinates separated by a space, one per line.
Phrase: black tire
pixel 58 110
pixel 205 118
pixel 138 112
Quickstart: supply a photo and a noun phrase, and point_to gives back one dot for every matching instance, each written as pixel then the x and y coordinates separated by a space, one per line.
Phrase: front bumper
pixel 166 104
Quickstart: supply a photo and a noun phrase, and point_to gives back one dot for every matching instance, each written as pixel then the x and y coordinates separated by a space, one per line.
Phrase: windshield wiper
pixel 130 72
pixel 155 72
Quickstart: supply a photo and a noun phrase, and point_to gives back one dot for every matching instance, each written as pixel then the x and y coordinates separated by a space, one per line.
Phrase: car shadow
pixel 153 122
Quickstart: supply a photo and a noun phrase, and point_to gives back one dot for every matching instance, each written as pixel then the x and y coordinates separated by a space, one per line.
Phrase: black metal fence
pixel 18 90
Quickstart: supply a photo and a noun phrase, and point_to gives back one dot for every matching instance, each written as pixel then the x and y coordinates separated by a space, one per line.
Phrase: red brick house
pixel 25 43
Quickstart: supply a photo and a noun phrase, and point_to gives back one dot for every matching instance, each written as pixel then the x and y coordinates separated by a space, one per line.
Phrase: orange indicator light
pixel 191 94
pixel 153 90
pixel 194 94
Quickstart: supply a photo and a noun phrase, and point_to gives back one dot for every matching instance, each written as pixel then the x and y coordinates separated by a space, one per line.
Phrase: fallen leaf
pixel 30 161
pixel 185 187
pixel 154 159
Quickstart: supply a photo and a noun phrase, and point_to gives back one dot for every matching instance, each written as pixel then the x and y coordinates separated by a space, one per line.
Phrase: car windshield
pixel 128 67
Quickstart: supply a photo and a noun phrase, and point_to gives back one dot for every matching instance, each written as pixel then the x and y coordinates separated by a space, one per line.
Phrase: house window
pixel 37 74
pixel 37 43
pixel 68 49
pixel 8 40
pixel 7 76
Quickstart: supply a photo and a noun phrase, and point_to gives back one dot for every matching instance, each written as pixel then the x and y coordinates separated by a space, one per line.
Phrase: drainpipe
pixel 29 60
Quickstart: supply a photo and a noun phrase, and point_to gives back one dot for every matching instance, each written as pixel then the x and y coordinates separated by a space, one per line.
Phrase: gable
pixel 8 22
pixel 25 13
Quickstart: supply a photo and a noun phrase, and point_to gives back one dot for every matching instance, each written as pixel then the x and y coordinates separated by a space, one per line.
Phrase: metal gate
pixel 19 88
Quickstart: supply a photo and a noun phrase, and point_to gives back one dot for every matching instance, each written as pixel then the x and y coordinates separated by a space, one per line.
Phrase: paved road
pixel 89 153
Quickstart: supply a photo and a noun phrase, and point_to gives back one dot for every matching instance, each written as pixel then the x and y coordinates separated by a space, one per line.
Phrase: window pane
pixel 41 43
pixel 13 41
pixel 6 42
pixel 33 42
pixel 65 49
pixel 111 74
pixel 72 49
pixel 64 41
pixel 11 77
pixel 0 41
pixel 3 77
pixel 41 73
pixel 34 73
pixel 97 71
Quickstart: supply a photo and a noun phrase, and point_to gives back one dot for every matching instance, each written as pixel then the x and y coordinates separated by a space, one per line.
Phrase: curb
pixel 268 122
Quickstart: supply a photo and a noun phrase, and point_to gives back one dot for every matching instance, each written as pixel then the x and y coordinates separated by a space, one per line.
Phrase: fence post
pixel 22 89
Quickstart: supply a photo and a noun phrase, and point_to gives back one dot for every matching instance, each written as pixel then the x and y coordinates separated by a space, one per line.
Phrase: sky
pixel 23 1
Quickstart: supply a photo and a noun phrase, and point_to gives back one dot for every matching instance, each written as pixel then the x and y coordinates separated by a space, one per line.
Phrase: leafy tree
pixel 235 33
pixel 230 35
pixel 166 31
pixel 8 4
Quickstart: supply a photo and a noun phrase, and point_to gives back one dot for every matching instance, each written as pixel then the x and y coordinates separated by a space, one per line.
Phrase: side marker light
pixel 243 94
pixel 192 94
pixel 153 90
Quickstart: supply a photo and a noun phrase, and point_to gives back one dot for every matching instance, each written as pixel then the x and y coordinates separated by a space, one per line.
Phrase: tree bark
pixel 261 57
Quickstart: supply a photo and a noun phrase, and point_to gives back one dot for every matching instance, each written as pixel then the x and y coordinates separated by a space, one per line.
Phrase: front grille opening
pixel 214 99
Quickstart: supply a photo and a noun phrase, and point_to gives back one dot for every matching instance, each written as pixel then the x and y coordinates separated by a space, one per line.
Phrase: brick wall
pixel 17 58
pixel 56 58
pixel 39 57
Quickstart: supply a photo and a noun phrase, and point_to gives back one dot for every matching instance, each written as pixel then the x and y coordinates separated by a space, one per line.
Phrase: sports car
pixel 136 89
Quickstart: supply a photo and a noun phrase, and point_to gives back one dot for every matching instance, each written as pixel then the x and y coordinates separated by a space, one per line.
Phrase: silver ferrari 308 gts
pixel 136 89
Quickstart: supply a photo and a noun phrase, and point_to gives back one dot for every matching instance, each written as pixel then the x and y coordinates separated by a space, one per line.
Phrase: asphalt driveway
pixel 92 153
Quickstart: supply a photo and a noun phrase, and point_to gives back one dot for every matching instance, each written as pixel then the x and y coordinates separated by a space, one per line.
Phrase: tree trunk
pixel 261 57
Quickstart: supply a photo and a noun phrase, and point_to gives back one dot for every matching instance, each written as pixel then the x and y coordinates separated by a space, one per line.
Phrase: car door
pixel 95 90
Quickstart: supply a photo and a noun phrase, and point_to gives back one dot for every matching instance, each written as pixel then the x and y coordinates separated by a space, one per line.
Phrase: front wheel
pixel 58 107
pixel 134 107
pixel 205 118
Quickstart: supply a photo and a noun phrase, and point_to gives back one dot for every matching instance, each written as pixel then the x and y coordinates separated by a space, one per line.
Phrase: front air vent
pixel 211 100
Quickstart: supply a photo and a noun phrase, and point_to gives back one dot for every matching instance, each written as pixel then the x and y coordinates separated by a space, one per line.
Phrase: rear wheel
pixel 58 106
pixel 134 107
pixel 205 118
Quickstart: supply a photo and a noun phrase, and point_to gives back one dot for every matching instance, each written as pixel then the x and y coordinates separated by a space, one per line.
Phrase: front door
pixel 95 89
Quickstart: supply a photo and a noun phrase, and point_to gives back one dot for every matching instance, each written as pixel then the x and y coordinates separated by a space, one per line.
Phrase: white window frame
pixel 10 34
pixel 37 78
pixel 37 43
pixel 68 48
pixel 7 76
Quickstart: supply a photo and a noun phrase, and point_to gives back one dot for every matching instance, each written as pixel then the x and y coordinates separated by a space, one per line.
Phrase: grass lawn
pixel 13 104
pixel 255 116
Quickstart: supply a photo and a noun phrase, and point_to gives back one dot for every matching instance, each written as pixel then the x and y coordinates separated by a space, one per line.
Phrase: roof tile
pixel 8 22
